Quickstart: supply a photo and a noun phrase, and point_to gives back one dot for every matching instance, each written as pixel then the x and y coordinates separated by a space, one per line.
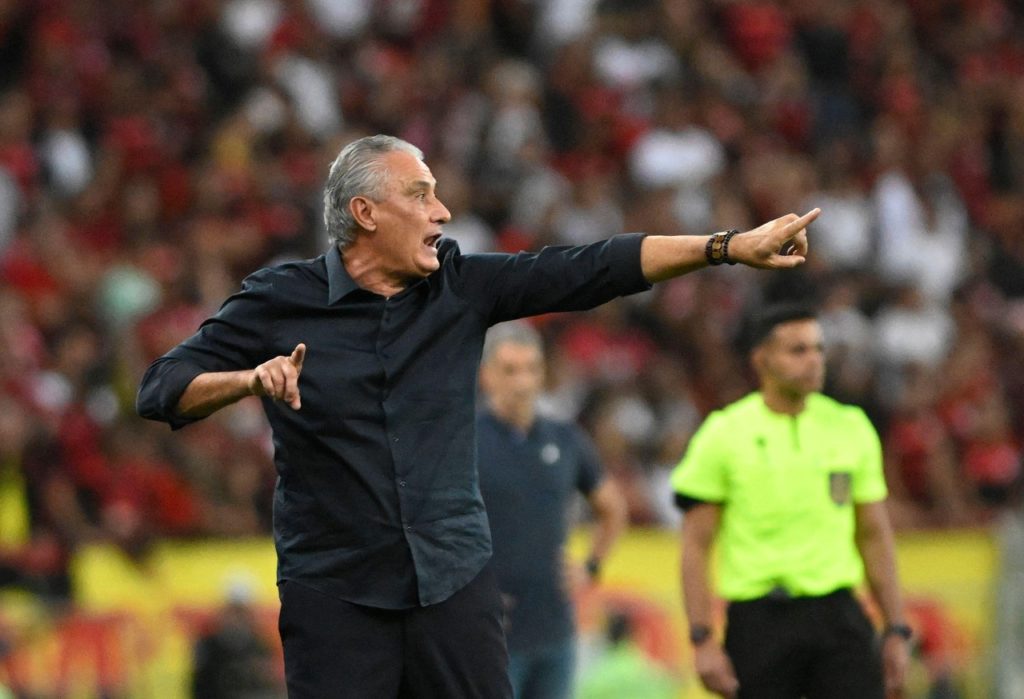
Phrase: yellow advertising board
pixel 131 628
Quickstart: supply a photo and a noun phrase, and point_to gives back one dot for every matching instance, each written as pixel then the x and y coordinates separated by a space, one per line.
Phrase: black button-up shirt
pixel 377 500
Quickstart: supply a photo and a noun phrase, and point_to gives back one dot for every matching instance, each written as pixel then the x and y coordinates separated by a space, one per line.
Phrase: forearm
pixel 664 257
pixel 607 530
pixel 697 597
pixel 214 390
pixel 610 518
pixel 877 549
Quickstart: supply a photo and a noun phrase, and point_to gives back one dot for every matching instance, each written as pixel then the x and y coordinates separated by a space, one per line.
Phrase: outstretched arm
pixel 277 378
pixel 664 257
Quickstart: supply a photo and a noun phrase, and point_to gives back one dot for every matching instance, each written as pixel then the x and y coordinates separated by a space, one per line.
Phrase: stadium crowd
pixel 153 153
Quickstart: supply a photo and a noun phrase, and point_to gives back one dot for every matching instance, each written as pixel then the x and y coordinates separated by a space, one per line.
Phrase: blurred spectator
pixel 149 159
pixel 678 153
pixel 845 233
pixel 624 670
pixel 232 659
pixel 921 461
pixel 921 220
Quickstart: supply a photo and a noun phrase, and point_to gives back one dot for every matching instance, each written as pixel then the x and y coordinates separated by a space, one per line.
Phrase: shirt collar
pixel 339 283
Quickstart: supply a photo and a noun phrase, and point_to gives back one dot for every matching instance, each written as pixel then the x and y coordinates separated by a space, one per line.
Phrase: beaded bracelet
pixel 717 249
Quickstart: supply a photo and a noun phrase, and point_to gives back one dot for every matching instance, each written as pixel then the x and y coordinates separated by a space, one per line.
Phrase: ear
pixel 757 359
pixel 363 211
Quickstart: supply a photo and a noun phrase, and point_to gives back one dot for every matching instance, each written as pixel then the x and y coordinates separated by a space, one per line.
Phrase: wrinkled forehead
pixel 406 171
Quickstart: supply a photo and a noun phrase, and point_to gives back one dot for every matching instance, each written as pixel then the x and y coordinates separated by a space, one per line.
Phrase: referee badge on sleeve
pixel 839 487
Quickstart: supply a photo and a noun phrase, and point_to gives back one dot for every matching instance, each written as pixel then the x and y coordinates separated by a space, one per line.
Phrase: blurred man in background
pixel 231 658
pixel 789 482
pixel 530 468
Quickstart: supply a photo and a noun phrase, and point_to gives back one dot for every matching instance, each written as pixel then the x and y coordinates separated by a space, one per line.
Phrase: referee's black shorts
pixel 338 650
pixel 804 647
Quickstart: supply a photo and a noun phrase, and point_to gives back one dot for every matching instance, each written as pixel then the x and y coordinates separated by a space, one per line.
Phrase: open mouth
pixel 433 240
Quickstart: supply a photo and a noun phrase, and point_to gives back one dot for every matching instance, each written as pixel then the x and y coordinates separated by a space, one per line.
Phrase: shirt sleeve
pixel 869 478
pixel 702 474
pixel 589 473
pixel 231 340
pixel 558 278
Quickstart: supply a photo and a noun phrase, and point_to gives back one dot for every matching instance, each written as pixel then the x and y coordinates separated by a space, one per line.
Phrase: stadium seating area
pixel 153 153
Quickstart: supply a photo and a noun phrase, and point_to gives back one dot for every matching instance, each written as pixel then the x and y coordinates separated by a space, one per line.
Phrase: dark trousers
pixel 335 649
pixel 810 647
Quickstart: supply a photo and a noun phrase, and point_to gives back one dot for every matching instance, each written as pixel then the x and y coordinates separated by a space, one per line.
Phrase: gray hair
pixel 357 172
pixel 515 332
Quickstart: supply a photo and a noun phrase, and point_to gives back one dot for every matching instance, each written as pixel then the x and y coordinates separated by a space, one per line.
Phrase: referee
pixel 789 483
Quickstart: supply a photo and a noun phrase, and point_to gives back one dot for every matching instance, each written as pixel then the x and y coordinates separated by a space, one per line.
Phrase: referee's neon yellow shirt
pixel 787 485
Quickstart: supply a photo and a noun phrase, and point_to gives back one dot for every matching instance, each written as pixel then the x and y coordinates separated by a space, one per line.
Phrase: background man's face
pixel 513 376
pixel 792 359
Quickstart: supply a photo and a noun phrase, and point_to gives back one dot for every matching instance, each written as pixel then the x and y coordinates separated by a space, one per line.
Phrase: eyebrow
pixel 417 185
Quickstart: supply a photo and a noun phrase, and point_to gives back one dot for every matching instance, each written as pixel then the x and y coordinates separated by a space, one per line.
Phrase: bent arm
pixel 214 367
pixel 277 378
pixel 212 391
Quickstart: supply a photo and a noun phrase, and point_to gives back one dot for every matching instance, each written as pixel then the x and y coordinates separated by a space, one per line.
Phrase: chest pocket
pixel 839 479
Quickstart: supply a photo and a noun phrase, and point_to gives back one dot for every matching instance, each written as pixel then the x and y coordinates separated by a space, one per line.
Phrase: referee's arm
pixel 700 525
pixel 878 551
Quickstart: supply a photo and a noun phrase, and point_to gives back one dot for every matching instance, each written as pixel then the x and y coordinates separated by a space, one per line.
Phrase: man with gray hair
pixel 530 468
pixel 366 359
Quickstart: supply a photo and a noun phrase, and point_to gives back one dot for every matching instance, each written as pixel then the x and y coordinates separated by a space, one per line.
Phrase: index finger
pixel 298 355
pixel 802 222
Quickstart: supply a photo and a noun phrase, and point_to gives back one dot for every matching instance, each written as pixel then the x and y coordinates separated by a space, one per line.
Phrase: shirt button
pixel 395 440
pixel 408 527
pixel 401 483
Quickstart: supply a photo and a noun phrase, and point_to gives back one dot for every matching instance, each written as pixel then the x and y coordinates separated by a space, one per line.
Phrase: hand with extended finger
pixel 778 244
pixel 278 378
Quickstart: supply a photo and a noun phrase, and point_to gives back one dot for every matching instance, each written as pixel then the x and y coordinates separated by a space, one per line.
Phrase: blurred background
pixel 154 152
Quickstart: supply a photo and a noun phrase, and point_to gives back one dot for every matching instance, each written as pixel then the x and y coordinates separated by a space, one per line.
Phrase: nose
pixel 441 214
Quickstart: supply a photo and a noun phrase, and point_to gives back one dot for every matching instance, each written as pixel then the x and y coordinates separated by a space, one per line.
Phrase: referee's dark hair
pixel 764 322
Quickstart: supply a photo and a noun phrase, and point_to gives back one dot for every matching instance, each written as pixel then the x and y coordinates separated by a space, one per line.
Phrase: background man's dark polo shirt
pixel 528 481
pixel 377 500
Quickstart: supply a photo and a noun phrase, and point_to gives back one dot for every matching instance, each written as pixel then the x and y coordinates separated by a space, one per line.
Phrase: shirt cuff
pixel 162 388
pixel 624 262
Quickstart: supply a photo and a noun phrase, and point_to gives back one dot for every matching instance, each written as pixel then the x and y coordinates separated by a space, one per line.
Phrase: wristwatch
pixel 699 633
pixel 901 630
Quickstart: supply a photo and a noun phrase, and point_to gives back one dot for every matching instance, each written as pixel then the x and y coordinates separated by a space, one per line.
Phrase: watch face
pixel 699 634
pixel 901 630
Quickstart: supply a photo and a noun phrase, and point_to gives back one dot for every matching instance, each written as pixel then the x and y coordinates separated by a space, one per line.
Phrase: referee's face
pixel 792 360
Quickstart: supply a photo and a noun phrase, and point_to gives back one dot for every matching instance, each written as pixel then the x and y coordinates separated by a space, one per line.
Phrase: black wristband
pixel 699 633
pixel 593 567
pixel 901 630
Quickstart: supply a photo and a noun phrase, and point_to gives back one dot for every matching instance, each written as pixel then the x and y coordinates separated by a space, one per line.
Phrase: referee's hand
pixel 715 669
pixel 278 378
